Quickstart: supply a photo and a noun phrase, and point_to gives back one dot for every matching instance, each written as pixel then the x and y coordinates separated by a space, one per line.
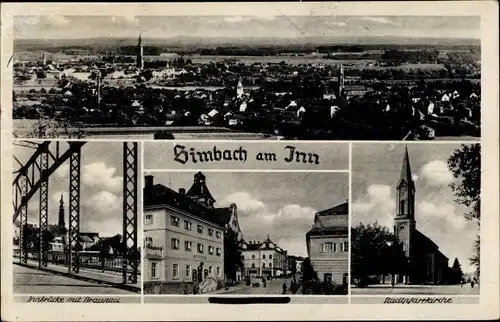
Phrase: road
pixel 272 287
pixel 418 290
pixel 33 281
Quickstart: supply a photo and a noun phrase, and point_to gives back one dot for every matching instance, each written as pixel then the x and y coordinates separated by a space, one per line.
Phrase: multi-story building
pixel 328 244
pixel 264 258
pixel 183 236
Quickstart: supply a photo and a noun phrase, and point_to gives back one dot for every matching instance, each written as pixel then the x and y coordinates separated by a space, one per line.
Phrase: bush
pixel 317 287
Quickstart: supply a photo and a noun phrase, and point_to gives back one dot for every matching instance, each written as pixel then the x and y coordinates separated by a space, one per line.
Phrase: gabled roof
pixel 332 221
pixel 159 195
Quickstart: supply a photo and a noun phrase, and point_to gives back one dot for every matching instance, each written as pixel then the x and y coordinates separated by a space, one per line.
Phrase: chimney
pixel 148 182
pixel 182 191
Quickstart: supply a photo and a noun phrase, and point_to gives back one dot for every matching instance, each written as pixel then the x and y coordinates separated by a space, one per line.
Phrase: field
pixel 291 60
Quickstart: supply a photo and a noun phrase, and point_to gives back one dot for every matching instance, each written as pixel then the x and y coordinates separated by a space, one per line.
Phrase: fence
pixel 112 262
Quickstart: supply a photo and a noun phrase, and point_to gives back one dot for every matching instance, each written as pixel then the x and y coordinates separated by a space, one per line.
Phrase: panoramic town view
pixel 225 77
pixel 235 233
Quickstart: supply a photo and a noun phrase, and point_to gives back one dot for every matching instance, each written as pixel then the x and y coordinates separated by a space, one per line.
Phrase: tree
pixel 457 274
pixel 375 251
pixel 232 254
pixel 465 164
pixel 308 272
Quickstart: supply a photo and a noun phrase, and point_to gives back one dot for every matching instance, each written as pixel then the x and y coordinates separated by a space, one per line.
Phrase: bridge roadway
pixel 54 279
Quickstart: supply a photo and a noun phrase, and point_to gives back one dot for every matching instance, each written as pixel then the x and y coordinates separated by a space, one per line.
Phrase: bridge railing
pixel 112 262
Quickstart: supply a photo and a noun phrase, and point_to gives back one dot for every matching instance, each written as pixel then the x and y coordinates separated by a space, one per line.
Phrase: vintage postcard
pixel 220 161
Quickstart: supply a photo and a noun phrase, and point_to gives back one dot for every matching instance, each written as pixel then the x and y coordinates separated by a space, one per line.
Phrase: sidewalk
pixel 87 274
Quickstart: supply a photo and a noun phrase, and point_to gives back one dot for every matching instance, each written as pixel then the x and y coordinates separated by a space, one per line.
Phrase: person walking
pixel 472 284
pixel 284 288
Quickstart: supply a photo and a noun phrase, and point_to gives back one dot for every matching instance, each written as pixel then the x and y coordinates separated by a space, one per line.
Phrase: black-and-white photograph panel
pixel 75 218
pixel 247 77
pixel 246 233
pixel 415 219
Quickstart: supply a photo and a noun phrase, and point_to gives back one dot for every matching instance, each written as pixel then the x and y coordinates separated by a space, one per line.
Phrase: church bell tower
pixel 61 222
pixel 140 51
pixel 404 223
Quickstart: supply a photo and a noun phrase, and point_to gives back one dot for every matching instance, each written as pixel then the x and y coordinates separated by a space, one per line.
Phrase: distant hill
pixel 34 44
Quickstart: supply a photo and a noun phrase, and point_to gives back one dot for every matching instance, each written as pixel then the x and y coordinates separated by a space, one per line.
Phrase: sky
pixel 280 204
pixel 70 27
pixel 100 188
pixel 376 171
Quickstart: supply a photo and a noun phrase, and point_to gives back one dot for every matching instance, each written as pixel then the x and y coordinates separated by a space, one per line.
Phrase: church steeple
pixel 61 222
pixel 140 50
pixel 406 177
pixel 341 80
pixel 404 222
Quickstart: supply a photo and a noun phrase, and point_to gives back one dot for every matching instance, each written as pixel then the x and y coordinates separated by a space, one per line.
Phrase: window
pixel 210 232
pixel 175 243
pixel 263 264
pixel 211 250
pixel 327 277
pixel 175 271
pixel 187 245
pixel 234 223
pixel 253 256
pixel 200 248
pixel 341 245
pixel 270 256
pixel 174 221
pixel 188 271
pixel 270 264
pixel 154 270
pixel 402 207
pixel 346 246
pixel 335 247
pixel 200 229
pixel 148 219
pixel 217 234
pixel 217 251
pixel 218 271
pixel 327 247
pixel 210 270
pixel 148 241
pixel 187 225
pixel 264 256
pixel 253 265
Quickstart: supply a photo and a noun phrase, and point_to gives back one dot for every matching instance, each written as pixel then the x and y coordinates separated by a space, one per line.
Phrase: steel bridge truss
pixel 130 246
pixel 34 176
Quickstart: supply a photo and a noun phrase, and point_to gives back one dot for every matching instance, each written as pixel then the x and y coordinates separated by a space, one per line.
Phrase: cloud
pixel 53 21
pixel 97 174
pixel 380 20
pixel 62 171
pixel 105 201
pixel 436 173
pixel 125 20
pixel 244 201
pixel 377 204
pixel 415 177
pixel 446 213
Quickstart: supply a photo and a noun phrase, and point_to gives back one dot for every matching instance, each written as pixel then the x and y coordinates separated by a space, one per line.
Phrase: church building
pixel 426 263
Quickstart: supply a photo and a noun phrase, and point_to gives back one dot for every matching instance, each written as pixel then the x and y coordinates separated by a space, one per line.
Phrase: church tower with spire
pixel 61 222
pixel 341 80
pixel 404 223
pixel 140 52
pixel 239 89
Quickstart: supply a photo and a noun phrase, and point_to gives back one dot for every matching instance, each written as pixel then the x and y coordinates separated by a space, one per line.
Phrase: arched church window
pixel 402 207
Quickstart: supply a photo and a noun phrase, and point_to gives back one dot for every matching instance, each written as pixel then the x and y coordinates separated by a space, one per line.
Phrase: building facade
pixel 328 244
pixel 426 263
pixel 264 258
